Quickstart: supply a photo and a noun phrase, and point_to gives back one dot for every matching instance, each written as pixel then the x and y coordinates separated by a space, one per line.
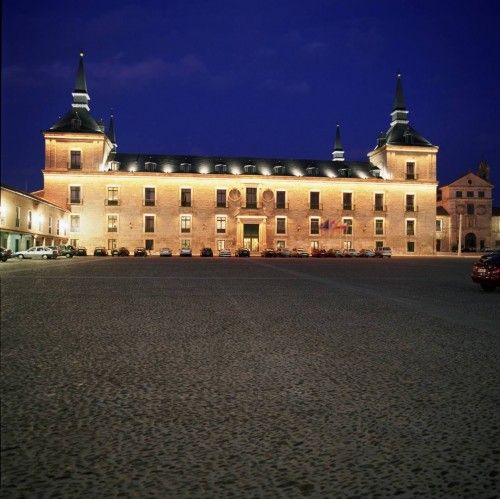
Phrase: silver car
pixel 37 252
pixel 165 252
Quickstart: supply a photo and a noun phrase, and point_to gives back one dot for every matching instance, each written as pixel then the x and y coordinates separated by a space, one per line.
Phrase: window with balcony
pixel 185 224
pixel 112 223
pixel 410 170
pixel 112 199
pixel 347 200
pixel 75 194
pixel 149 196
pixel 281 200
pixel 186 197
pixel 221 198
pixel 410 227
pixel 251 197
pixel 347 223
pixel 379 202
pixel 221 224
pixel 74 223
pixel 75 160
pixel 379 227
pixel 18 216
pixel 314 226
pixel 410 202
pixel 280 225
pixel 314 200
pixel 149 223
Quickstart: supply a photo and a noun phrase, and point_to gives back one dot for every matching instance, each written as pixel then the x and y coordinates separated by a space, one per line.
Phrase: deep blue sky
pixel 259 78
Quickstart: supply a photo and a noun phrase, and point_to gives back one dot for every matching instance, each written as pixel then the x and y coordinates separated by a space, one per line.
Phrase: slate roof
pixel 87 123
pixel 263 166
pixel 442 212
pixel 402 134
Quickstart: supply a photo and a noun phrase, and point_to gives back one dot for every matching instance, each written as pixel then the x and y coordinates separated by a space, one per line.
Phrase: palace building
pixel 129 199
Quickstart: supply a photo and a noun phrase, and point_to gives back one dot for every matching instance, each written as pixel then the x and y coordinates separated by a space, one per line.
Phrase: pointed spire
pixel 80 94
pixel 483 170
pixel 399 112
pixel 111 132
pixel 338 150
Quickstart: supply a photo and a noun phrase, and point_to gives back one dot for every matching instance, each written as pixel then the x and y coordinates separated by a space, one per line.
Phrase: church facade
pixel 129 199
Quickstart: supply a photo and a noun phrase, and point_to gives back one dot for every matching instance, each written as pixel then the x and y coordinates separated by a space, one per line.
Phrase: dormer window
pixel 250 169
pixel 221 168
pixel 150 166
pixel 279 170
pixel 76 123
pixel 114 166
pixel 312 171
pixel 185 167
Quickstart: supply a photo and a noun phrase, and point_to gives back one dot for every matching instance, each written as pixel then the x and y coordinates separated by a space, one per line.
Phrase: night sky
pixel 254 78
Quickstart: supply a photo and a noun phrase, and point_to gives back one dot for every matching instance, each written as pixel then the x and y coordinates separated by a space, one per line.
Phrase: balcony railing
pixel 112 229
pixel 411 208
pixel 411 176
pixel 252 206
pixel 149 202
pixel 111 202
pixel 282 206
pixel 380 208
pixel 186 204
pixel 74 201
pixel 348 207
pixel 220 204
pixel 316 206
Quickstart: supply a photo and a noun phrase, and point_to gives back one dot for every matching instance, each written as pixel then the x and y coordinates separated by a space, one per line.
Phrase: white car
pixel 185 252
pixel 37 252
pixel 384 252
pixel 165 252
pixel 224 252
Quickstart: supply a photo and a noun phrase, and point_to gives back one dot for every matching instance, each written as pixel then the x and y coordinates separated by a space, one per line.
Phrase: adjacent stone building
pixel 176 201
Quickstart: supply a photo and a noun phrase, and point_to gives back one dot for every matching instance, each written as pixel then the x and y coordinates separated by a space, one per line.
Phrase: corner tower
pixel 401 153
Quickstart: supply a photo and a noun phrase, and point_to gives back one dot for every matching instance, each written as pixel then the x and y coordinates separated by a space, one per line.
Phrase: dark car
pixel 319 253
pixel 300 253
pixel 120 252
pixel 242 252
pixel 140 252
pixel 81 251
pixel 100 251
pixel 67 250
pixel 487 273
pixel 489 254
pixel 206 252
pixel 269 253
pixel 5 254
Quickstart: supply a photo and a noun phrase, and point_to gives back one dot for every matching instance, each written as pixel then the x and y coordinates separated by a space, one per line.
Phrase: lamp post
pixel 459 249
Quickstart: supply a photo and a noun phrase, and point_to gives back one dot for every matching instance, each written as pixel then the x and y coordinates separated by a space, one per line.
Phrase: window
pixel 315 245
pixel 50 225
pixel 312 171
pixel 76 123
pixel 74 194
pixel 112 223
pixel 470 194
pixel 379 226
pixel 149 223
pixel 480 194
pixel 114 165
pixel 438 244
pixel 30 219
pixel 314 200
pixel 221 224
pixel 149 166
pixel 280 244
pixel 458 194
pixel 76 160
pixel 111 244
pixel 279 170
pixel 439 225
pixel 185 243
pixel 347 200
pixel 439 195
pixel 379 202
pixel 186 197
pixel 280 225
pixel 221 198
pixel 74 223
pixel 251 197
pixel 18 216
pixel 149 244
pixel 112 196
pixel 250 169
pixel 221 168
pixel 280 200
pixel 410 170
pixel 58 227
pixel 470 209
pixel 185 167
pixel 410 247
pixel 379 244
pixel 185 223
pixel 220 244
pixel 410 202
pixel 348 226
pixel 149 196
pixel 314 226
pixel 410 227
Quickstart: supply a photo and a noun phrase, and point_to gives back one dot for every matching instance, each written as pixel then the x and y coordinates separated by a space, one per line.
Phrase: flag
pixel 325 224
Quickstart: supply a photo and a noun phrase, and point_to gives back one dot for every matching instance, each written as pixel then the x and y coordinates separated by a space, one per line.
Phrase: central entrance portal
pixel 251 236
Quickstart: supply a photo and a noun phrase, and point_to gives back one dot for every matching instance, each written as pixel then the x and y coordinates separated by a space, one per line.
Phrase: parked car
pixel 37 252
pixel 318 253
pixel 67 250
pixel 242 252
pixel 100 251
pixel 383 252
pixel 165 252
pixel 224 252
pixel 206 252
pixel 122 251
pixel 284 252
pixel 5 254
pixel 300 253
pixel 140 252
pixel 268 253
pixel 487 273
pixel 489 254
pixel 185 252
pixel 81 251
pixel 366 253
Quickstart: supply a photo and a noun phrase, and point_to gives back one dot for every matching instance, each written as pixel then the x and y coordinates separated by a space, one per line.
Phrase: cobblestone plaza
pixel 249 378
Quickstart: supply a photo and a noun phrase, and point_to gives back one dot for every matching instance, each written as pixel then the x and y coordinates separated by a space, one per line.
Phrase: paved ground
pixel 248 377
